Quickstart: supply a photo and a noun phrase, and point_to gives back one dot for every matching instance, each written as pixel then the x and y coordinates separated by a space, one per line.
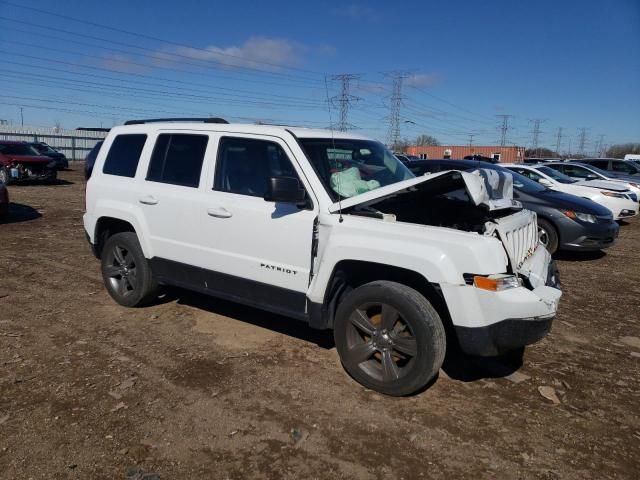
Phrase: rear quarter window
pixel 124 155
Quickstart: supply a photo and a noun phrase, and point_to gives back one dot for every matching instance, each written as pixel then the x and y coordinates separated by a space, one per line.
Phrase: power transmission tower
pixel 536 135
pixel 582 140
pixel 395 105
pixel 599 150
pixel 345 99
pixel 504 128
pixel 558 140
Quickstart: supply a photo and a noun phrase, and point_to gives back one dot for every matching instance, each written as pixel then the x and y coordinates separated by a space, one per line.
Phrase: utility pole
pixel 345 99
pixel 582 139
pixel 504 128
pixel 21 116
pixel 536 135
pixel 471 135
pixel 395 105
pixel 558 140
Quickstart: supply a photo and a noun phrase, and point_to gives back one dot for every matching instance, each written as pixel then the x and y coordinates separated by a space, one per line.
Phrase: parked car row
pixel 20 161
pixel 565 222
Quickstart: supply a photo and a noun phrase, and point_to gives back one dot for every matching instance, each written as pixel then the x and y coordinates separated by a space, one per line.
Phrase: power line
pixel 169 42
pixel 345 99
pixel 504 128
pixel 471 135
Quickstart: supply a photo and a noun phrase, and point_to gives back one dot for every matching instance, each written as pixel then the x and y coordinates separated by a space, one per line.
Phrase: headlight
pixel 496 283
pixel 612 194
pixel 584 217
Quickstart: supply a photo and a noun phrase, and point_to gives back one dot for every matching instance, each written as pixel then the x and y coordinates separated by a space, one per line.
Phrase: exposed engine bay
pixel 459 200
pixel 18 171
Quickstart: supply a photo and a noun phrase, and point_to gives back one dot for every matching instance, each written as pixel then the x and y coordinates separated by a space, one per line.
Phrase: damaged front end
pixel 22 171
pixel 478 202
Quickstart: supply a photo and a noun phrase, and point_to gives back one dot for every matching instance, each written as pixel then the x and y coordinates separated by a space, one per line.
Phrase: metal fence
pixel 75 144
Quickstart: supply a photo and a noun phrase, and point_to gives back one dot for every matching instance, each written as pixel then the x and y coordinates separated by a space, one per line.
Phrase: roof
pixel 275 130
pixel 12 142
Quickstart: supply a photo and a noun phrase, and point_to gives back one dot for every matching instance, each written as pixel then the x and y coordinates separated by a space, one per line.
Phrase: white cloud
pixel 121 63
pixel 256 52
pixel 358 12
pixel 422 80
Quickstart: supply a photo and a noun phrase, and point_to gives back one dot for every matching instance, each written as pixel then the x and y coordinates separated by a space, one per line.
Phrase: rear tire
pixel 548 235
pixel 126 272
pixel 389 338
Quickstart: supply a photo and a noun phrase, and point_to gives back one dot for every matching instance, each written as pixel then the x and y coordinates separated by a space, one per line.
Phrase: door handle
pixel 219 212
pixel 148 200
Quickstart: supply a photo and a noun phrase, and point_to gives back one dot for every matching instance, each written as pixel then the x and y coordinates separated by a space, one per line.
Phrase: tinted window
pixel 624 167
pixel 177 159
pixel 604 164
pixel 245 165
pixel 124 154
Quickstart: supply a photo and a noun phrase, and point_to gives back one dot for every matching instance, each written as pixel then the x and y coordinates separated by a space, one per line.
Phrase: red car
pixel 19 161
pixel 4 201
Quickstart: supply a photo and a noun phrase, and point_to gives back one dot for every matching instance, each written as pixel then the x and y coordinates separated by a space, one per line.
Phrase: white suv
pixel 326 227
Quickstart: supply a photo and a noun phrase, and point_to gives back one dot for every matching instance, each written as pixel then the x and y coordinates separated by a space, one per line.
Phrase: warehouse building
pixel 501 154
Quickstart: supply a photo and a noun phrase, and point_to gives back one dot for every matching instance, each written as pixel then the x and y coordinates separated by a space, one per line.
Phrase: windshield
pixel 557 176
pixel 17 149
pixel 350 167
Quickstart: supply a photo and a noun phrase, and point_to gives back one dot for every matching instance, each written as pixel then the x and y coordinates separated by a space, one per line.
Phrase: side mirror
pixel 592 176
pixel 285 190
pixel 546 182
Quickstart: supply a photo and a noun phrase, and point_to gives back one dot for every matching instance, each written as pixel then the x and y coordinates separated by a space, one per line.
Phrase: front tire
pixel 389 338
pixel 126 272
pixel 4 176
pixel 548 235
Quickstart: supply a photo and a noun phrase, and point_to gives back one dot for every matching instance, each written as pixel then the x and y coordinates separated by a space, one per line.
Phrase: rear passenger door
pixel 263 248
pixel 171 195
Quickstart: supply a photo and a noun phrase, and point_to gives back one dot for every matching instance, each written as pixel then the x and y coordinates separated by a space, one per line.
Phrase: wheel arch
pixel 107 227
pixel 350 274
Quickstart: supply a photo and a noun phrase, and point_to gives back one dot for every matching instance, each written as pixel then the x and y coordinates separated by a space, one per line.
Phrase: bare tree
pixel 620 150
pixel 427 140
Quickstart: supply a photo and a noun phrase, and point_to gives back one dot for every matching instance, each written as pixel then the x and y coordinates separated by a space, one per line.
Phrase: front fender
pixel 441 255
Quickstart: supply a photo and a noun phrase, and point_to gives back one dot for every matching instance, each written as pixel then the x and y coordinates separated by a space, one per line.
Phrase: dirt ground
pixel 199 388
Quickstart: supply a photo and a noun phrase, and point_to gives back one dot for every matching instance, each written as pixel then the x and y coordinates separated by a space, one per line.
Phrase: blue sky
pixel 571 64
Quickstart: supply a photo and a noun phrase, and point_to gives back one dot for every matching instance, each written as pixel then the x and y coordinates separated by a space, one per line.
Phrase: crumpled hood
pixel 489 188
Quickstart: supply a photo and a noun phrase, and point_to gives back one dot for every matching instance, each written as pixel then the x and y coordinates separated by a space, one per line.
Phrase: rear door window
pixel 624 167
pixel 177 159
pixel 124 155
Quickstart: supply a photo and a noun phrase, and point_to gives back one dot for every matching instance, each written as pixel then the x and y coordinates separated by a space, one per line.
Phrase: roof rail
pixel 155 120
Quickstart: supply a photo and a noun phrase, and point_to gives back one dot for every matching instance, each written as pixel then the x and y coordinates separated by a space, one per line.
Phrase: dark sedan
pixel 48 151
pixel 565 222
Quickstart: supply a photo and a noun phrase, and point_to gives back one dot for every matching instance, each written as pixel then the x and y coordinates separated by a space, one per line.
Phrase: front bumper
pixel 587 236
pixel 491 323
